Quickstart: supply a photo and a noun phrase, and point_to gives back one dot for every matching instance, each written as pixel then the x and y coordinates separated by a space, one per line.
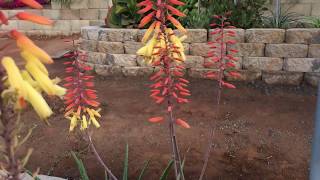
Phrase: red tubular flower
pixel 221 56
pixel 146 19
pixel 80 94
pixel 3 19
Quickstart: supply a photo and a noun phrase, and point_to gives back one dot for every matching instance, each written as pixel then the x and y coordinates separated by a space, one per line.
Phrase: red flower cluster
pixel 79 84
pixel 161 11
pixel 166 52
pixel 220 56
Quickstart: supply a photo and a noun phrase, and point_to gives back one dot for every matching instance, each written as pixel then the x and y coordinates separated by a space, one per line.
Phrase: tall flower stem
pixel 8 127
pixel 98 157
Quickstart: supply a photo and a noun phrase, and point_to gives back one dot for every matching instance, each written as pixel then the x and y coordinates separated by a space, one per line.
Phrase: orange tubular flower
pixel 32 3
pixel 176 23
pixel 146 20
pixel 34 18
pixel 26 44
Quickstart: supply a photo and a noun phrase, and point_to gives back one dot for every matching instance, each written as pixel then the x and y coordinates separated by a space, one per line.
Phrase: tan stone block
pixel 131 47
pixel 118 35
pixel 194 62
pixel 110 47
pixel 126 60
pixel 265 35
pixel 302 64
pixel 96 58
pixel 314 51
pixel 51 14
pixel 62 25
pixel 96 22
pixel 303 35
pixel 248 49
pixel 88 45
pixel 239 35
pixel 315 9
pixel 79 4
pixel 199 49
pixel 287 50
pixel 90 32
pixel 70 14
pixel 246 75
pixel 97 4
pixel 262 63
pixel 195 35
pixel 77 24
pixel 89 14
pixel 108 70
pixel 282 77
pixel 199 72
pixel 103 14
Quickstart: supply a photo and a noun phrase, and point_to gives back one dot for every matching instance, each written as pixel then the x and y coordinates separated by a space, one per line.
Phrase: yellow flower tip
pixel 36 100
pixel 30 57
pixel 84 123
pixel 73 122
pixel 44 81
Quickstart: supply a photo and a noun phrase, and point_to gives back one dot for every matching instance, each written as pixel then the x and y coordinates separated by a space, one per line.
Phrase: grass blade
pixel 146 164
pixel 166 171
pixel 30 173
pixel 82 169
pixel 125 168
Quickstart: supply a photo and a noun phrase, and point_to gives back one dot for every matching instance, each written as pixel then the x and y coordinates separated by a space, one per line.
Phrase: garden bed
pixel 262 131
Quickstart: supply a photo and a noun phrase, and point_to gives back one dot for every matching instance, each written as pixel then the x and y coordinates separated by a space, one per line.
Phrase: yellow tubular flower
pixel 148 48
pixel 84 123
pixel 26 44
pixel 30 57
pixel 26 76
pixel 73 122
pixel 44 81
pixel 14 77
pixel 92 117
pixel 36 100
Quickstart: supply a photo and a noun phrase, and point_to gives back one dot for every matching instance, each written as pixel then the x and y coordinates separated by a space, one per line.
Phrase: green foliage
pixel 145 166
pixel 123 14
pixel 245 13
pixel 166 171
pixel 285 20
pixel 82 169
pixel 313 21
pixel 125 166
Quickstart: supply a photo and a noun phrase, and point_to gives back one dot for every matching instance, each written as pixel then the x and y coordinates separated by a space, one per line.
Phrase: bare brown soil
pixel 261 132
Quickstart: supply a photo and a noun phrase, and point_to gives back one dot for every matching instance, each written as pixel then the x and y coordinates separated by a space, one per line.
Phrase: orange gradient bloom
pixel 34 18
pixel 156 119
pixel 26 44
pixel 182 123
pixel 176 23
pixel 32 3
pixel 146 19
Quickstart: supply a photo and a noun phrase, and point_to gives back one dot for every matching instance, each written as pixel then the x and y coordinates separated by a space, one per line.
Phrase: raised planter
pixel 275 56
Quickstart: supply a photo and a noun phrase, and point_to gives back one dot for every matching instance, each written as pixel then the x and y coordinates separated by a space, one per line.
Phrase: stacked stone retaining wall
pixel 275 56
